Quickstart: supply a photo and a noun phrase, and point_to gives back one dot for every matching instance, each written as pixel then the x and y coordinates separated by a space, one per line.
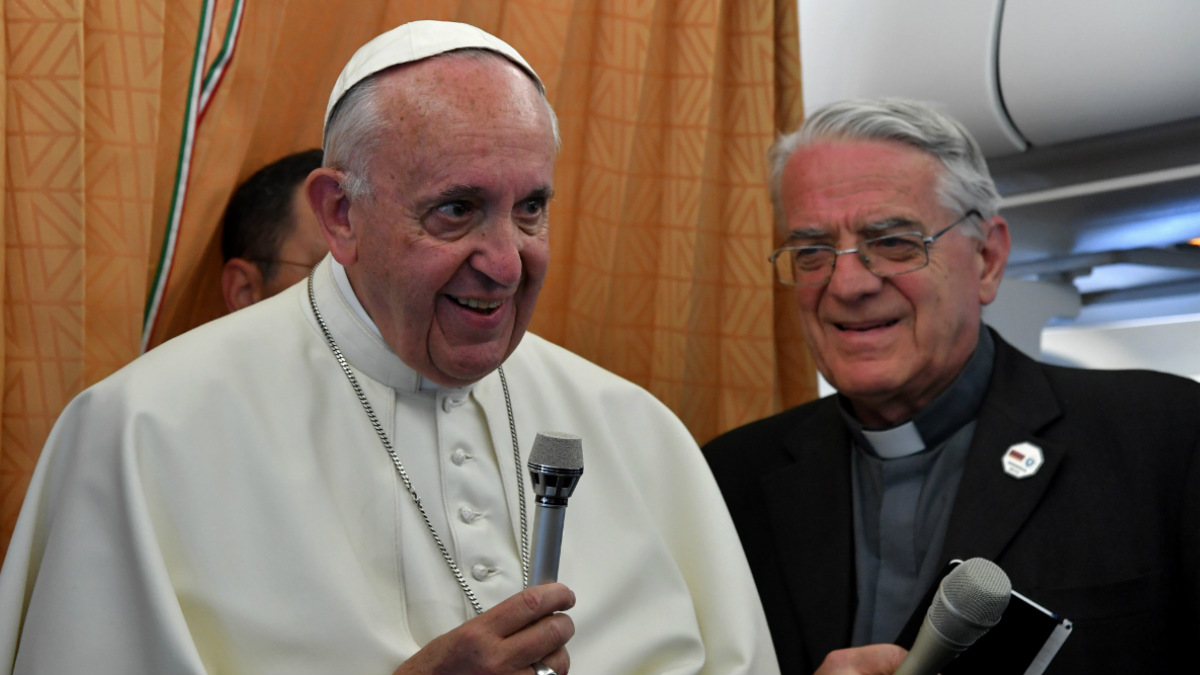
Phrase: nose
pixel 852 278
pixel 498 252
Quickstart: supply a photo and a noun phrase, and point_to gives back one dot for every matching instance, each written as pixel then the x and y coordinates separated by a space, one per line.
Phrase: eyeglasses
pixel 886 256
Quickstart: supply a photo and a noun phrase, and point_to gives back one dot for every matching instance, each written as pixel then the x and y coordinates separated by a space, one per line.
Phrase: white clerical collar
pixel 343 284
pixel 900 441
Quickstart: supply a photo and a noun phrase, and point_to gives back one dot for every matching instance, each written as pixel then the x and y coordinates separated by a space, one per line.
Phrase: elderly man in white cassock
pixel 331 481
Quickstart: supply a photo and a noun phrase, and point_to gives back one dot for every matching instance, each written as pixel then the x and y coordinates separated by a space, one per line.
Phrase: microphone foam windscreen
pixel 559 450
pixel 970 600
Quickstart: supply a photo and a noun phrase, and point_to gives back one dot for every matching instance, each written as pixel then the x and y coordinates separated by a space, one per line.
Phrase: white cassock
pixel 223 505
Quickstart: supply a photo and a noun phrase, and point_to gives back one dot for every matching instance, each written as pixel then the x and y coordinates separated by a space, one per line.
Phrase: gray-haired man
pixel 943 441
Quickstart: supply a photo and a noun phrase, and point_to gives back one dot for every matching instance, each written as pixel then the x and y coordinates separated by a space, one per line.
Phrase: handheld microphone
pixel 555 465
pixel 969 601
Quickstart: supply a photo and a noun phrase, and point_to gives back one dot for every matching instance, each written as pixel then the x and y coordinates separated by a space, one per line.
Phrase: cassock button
pixel 469 515
pixel 451 402
pixel 481 572
pixel 459 456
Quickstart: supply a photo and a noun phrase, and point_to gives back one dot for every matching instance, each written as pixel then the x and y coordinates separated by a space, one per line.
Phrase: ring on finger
pixel 542 669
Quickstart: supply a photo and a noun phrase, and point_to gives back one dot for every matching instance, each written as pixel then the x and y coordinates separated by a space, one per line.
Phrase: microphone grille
pixel 970 600
pixel 559 450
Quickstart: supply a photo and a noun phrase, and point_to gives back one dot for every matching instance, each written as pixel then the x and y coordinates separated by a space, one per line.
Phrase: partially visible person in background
pixel 270 238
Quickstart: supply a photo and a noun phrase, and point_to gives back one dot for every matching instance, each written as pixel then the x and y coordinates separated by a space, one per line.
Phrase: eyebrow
pixel 875 228
pixel 464 192
pixel 453 193
pixel 808 233
pixel 458 192
pixel 544 193
pixel 890 225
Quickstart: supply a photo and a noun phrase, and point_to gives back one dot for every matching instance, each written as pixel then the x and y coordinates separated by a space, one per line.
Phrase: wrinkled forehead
pixel 856 185
pixel 417 41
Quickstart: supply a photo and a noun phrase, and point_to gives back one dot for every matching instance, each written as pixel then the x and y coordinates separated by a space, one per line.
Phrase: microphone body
pixel 555 465
pixel 969 601
pixel 547 543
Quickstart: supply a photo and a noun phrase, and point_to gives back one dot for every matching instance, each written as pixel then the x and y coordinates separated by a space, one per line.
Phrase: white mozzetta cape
pixel 222 505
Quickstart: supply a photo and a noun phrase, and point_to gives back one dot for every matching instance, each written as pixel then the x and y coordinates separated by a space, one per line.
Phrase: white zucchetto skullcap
pixel 413 42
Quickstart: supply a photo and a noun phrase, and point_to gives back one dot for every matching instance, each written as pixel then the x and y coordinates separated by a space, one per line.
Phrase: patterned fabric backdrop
pixel 129 122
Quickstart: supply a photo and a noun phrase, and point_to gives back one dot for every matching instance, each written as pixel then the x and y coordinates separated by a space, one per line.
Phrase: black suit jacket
pixel 1107 532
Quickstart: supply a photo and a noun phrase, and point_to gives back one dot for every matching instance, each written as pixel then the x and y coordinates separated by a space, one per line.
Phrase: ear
pixel 993 252
pixel 241 284
pixel 331 206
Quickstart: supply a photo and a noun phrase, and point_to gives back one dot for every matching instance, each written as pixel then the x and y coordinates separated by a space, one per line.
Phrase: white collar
pixel 358 336
pixel 900 441
pixel 343 283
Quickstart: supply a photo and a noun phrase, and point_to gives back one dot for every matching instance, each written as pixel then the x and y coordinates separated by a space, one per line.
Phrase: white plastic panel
pixel 941 51
pixel 1073 69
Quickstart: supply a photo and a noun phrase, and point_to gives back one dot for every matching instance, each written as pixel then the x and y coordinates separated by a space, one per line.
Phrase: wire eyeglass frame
pixel 886 256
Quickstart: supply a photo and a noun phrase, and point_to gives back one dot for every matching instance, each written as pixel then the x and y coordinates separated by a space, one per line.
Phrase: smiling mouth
pixel 864 327
pixel 476 305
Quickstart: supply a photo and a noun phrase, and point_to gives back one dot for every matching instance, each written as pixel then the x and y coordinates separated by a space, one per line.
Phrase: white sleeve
pixel 84 587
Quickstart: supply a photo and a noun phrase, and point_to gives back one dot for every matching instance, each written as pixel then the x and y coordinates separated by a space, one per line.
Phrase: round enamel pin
pixel 1022 460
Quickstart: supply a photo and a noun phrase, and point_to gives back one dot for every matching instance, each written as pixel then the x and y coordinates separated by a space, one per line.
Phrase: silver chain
pixel 512 430
pixel 412 492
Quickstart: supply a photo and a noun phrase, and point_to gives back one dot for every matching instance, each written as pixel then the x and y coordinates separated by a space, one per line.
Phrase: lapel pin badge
pixel 1022 460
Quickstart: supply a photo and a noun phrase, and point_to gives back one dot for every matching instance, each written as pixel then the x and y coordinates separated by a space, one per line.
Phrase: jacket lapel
pixel 991 506
pixel 809 505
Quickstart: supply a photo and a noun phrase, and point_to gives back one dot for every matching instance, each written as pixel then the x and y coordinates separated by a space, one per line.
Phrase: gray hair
pixel 355 125
pixel 965 184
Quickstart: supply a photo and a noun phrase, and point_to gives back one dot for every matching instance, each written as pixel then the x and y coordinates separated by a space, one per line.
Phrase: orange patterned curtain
pixel 85 89
pixel 129 122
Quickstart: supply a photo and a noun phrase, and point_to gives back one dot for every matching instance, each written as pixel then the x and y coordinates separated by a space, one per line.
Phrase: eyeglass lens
pixel 884 256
